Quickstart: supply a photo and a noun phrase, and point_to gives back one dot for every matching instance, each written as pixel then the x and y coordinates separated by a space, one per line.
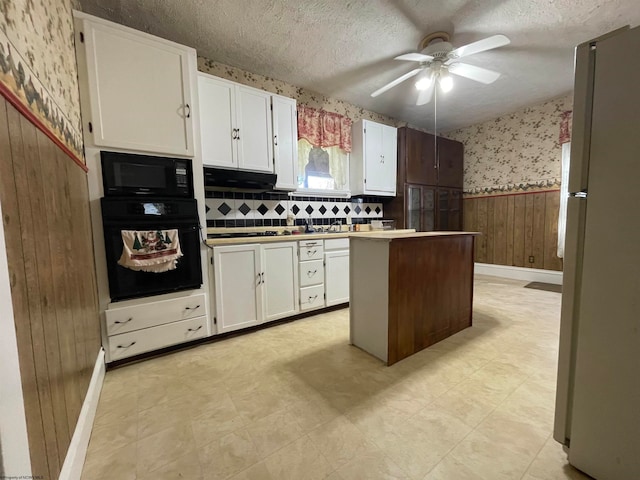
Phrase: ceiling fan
pixel 438 58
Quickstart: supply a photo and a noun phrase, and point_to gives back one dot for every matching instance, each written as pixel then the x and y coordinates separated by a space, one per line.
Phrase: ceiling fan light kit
pixel 438 59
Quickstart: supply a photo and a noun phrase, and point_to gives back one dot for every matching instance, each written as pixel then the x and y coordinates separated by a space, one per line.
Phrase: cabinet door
pixel 373 160
pixel 217 121
pixel 139 91
pixel 285 142
pixel 449 209
pixel 413 205
pixel 253 121
pixel 450 159
pixel 336 274
pixel 428 210
pixel 420 158
pixel 280 280
pixel 237 285
pixel 389 159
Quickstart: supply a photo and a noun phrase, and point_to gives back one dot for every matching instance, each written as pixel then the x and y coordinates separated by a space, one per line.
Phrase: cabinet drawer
pixel 312 297
pixel 311 273
pixel 337 244
pixel 311 250
pixel 154 338
pixel 128 319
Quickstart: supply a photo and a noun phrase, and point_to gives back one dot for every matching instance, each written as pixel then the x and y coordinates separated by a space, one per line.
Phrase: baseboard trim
pixel 519 273
pixel 74 461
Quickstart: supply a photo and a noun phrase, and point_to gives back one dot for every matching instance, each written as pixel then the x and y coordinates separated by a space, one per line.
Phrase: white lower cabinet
pixel 336 271
pixel 153 338
pixel 312 297
pixel 254 283
pixel 311 274
pixel 279 280
pixel 140 326
pixel 238 277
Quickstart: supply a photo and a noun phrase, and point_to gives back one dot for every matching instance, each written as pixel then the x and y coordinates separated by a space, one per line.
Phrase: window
pixel 322 169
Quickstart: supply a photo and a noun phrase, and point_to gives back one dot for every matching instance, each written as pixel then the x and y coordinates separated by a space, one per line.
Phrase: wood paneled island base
pixel 409 290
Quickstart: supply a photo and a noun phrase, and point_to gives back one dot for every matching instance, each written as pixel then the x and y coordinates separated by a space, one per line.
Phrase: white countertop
pixel 303 236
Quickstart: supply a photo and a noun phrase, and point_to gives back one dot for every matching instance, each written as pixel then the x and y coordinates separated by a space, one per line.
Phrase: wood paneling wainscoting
pixel 519 230
pixel 45 206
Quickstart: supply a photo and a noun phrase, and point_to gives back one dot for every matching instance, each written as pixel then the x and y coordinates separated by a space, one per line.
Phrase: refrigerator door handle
pixel 582 194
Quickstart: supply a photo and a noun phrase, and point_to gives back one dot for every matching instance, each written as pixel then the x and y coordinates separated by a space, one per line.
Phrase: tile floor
pixel 297 402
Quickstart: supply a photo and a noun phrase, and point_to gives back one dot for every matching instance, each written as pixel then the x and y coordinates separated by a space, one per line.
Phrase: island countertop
pixel 402 234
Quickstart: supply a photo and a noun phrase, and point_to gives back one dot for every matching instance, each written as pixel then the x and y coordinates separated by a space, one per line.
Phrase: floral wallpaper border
pixel 24 87
pixel 515 189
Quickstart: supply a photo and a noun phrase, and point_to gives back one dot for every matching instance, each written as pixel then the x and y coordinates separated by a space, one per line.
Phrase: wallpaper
pixel 301 95
pixel 514 153
pixel 38 64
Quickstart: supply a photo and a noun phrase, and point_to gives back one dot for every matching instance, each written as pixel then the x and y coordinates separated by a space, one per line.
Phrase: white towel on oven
pixel 150 251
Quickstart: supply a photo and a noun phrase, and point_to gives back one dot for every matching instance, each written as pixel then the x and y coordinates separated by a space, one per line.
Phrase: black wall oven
pixel 151 215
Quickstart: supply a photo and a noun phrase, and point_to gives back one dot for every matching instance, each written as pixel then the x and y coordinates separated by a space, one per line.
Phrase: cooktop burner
pixel 268 233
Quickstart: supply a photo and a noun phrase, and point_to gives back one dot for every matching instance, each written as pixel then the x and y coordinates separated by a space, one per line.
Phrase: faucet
pixel 337 223
pixel 309 226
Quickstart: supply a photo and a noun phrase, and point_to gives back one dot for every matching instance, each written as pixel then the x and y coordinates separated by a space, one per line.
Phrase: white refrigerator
pixel 598 393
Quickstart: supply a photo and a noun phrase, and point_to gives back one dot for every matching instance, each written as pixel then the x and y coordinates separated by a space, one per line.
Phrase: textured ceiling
pixel 345 48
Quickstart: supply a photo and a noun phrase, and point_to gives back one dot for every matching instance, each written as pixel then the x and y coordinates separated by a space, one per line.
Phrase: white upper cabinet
pixel 217 121
pixel 138 88
pixel 235 125
pixel 285 142
pixel 374 159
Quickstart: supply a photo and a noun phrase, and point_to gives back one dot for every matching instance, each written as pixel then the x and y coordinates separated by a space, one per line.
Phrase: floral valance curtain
pixel 565 127
pixel 324 129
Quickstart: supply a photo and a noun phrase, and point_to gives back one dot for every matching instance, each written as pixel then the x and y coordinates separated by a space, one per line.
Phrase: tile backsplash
pixel 231 209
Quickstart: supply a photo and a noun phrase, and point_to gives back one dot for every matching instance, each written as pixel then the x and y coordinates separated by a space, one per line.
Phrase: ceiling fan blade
pixel 415 57
pixel 426 95
pixel 398 80
pixel 480 46
pixel 472 72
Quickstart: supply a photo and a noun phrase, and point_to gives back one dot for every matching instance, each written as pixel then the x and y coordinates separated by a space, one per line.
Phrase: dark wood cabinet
pixel 430 183
pixel 418 156
pixel 449 163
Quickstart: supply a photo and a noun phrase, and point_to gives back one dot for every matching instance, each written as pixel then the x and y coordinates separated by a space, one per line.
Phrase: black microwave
pixel 129 175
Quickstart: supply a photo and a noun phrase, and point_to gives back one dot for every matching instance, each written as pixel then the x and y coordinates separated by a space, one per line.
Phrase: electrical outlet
pixel 532 259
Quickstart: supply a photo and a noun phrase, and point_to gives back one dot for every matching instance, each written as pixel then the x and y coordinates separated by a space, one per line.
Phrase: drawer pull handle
pixel 311 274
pixel 259 278
pixel 312 299
pixel 192 308
pixel 127 346
pixel 311 252
pixel 311 244
pixel 194 329
pixel 122 323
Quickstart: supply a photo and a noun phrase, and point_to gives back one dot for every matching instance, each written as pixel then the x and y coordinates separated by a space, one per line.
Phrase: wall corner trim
pixel 519 273
pixel 74 461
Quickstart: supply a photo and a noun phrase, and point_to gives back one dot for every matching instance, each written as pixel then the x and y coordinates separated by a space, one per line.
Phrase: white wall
pixel 13 424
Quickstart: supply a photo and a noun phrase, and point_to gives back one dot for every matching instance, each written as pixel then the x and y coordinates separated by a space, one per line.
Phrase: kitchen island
pixel 409 290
